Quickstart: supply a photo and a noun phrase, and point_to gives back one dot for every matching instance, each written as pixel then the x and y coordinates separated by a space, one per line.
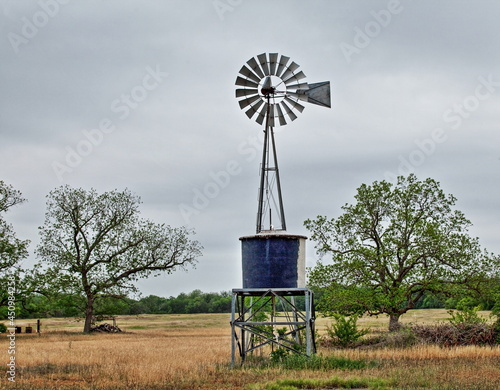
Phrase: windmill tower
pixel 270 89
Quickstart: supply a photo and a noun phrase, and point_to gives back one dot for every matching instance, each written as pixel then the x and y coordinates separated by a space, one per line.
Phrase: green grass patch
pixel 315 362
pixel 320 384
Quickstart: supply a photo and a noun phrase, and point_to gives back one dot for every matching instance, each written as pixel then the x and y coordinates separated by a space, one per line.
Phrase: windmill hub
pixel 267 87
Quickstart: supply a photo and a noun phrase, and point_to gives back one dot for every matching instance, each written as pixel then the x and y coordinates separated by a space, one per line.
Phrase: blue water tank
pixel 273 260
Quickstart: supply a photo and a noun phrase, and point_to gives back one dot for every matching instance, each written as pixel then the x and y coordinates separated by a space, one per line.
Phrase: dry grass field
pixel 193 352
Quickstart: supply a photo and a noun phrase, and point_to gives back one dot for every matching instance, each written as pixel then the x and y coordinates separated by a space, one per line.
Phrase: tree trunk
pixel 394 324
pixel 89 313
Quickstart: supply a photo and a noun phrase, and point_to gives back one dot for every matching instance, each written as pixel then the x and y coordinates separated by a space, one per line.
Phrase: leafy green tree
pixel 41 306
pixel 490 295
pixel 153 304
pixel 496 303
pixel 178 304
pixel 221 303
pixel 392 246
pixel 97 246
pixel 429 301
pixel 12 249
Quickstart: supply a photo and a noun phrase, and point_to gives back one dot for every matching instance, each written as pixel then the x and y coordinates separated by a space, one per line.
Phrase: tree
pixel 12 249
pixel 396 243
pixel 98 246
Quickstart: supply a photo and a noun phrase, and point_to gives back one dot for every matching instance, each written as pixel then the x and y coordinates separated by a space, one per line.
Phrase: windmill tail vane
pixel 271 88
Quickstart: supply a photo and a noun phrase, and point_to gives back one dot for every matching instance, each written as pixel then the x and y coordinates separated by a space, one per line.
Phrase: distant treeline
pixel 38 306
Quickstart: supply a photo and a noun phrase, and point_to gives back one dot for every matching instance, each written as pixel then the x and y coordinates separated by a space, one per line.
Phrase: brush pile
pixel 106 328
pixel 452 335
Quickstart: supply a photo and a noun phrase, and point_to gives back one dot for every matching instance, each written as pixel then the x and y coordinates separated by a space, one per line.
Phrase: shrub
pixel 467 315
pixel 344 332
pixel 279 354
pixel 468 303
pixel 451 303
pixel 3 328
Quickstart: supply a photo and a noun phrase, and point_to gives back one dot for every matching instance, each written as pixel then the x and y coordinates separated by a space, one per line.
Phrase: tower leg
pixel 233 330
pixel 287 327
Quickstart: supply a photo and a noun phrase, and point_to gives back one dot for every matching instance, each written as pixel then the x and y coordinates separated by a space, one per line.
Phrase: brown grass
pixel 193 352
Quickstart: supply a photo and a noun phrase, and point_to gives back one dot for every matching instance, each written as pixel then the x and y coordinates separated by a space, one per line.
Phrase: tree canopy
pixel 97 245
pixel 392 246
pixel 12 249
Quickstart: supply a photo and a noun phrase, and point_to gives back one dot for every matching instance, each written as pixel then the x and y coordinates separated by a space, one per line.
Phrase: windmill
pixel 271 90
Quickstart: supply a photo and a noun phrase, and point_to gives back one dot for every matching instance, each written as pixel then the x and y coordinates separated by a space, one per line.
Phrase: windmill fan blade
pixel 281 117
pixel 252 63
pixel 245 82
pixel 288 111
pixel 262 114
pixel 273 60
pixel 263 63
pixel 295 105
pixel 246 92
pixel 246 102
pixel 295 77
pixel 319 93
pixel 290 71
pixel 249 74
pixel 253 109
pixel 296 87
pixel 282 65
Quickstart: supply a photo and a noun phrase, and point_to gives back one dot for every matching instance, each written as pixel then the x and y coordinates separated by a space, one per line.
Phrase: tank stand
pixel 272 320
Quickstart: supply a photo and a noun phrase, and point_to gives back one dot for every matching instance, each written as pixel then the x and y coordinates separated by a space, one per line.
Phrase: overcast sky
pixel 140 94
